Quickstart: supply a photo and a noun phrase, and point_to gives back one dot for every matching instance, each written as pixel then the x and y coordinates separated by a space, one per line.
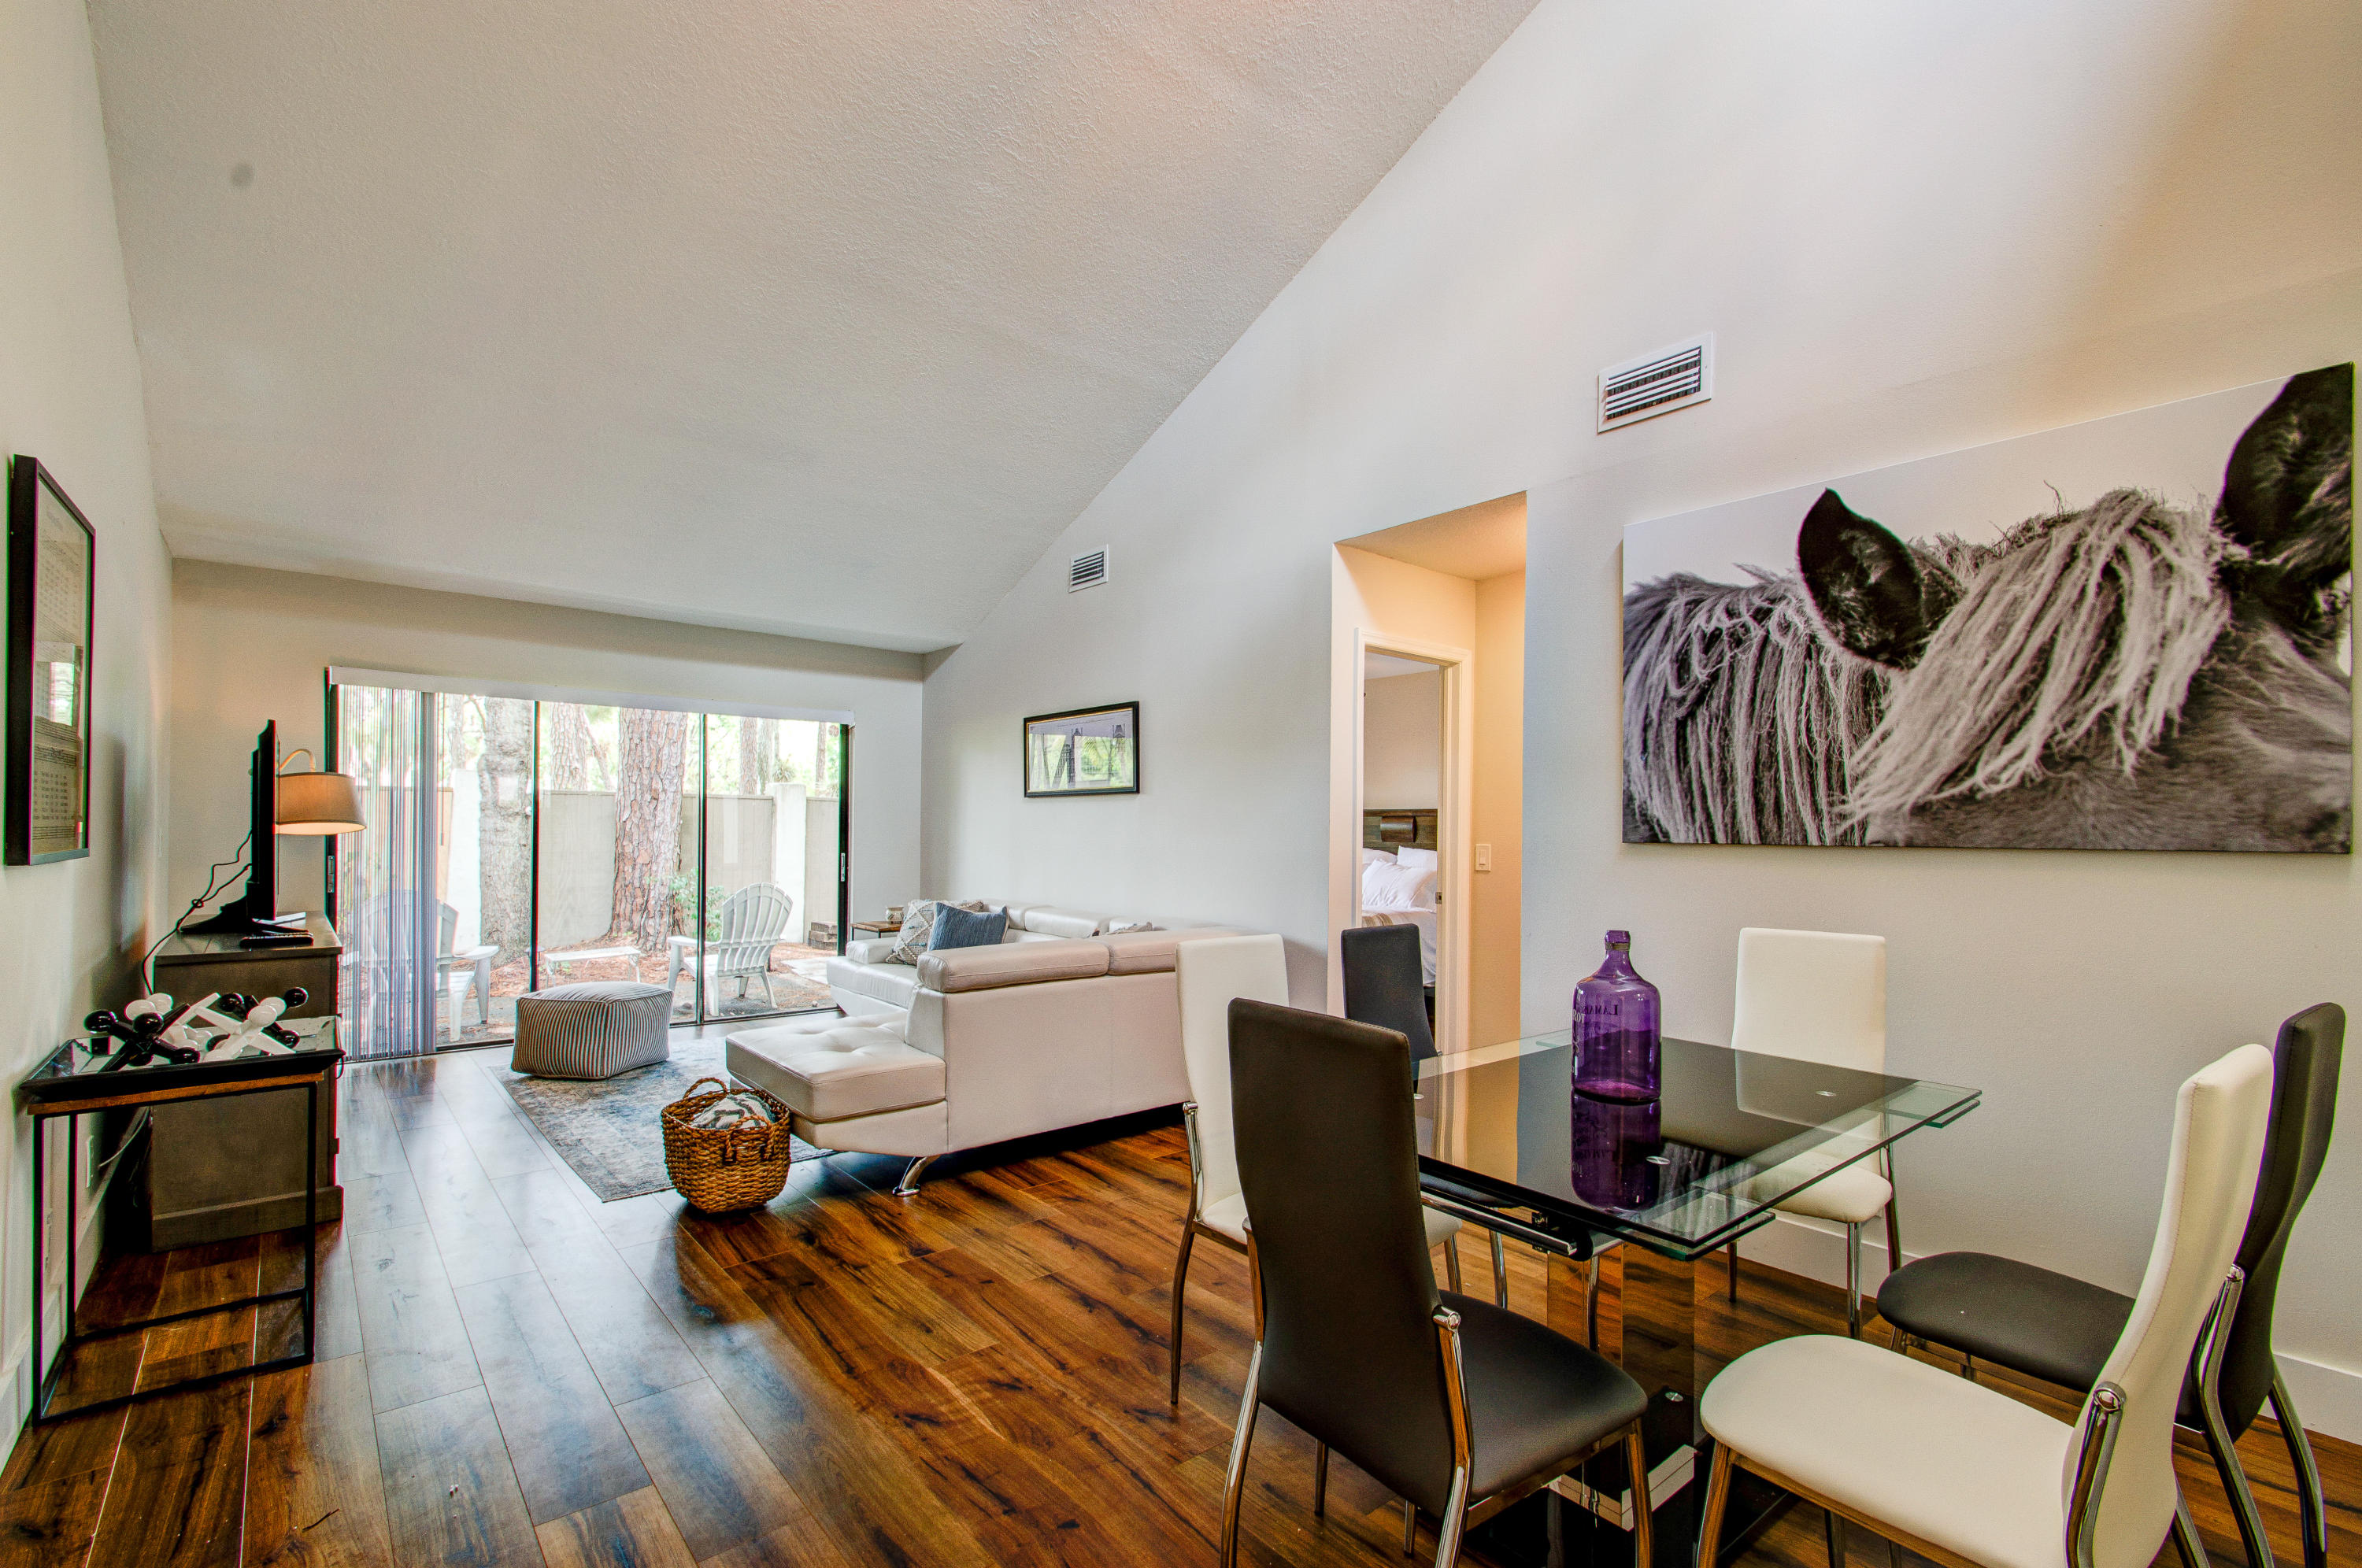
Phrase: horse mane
pixel 1739 712
pixel 2078 632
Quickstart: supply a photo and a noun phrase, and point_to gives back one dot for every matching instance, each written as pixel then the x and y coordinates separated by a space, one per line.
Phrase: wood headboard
pixel 1413 827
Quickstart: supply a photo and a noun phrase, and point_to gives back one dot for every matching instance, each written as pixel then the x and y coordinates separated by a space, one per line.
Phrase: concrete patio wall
pixel 743 846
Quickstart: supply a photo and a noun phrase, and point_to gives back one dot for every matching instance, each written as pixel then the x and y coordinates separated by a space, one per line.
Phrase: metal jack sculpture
pixel 152 1028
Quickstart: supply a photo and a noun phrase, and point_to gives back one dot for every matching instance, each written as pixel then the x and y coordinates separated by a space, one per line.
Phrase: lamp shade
pixel 319 803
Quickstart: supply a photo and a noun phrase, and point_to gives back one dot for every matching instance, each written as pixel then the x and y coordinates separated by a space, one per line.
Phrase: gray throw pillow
pixel 957 927
pixel 918 925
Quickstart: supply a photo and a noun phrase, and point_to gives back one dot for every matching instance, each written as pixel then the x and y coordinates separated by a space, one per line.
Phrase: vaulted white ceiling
pixel 819 317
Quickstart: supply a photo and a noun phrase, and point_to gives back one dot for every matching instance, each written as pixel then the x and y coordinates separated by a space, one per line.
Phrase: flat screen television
pixel 253 913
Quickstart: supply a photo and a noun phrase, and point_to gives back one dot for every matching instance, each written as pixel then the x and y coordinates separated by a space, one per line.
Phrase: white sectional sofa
pixel 1057 1025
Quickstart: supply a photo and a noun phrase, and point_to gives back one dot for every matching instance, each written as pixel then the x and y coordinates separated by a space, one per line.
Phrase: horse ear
pixel 1868 584
pixel 2288 493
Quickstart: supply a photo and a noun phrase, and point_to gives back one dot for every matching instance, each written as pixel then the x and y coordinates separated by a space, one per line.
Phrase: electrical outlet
pixel 1484 857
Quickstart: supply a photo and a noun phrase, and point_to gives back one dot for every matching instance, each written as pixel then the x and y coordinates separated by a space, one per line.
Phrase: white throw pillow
pixel 1372 857
pixel 1398 887
pixel 1415 858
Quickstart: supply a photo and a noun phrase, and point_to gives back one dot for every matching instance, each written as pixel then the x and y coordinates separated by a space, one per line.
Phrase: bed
pixel 1395 898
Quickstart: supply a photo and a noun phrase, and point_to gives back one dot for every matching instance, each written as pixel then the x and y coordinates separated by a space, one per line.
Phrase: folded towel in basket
pixel 730 1110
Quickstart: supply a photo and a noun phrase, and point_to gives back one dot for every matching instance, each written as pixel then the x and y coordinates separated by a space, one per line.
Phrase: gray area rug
pixel 609 1131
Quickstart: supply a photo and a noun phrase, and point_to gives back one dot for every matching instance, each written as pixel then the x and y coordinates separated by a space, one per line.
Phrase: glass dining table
pixel 1636 1194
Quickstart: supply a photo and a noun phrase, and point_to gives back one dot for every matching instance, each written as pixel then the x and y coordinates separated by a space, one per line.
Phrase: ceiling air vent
pixel 1657 383
pixel 1088 571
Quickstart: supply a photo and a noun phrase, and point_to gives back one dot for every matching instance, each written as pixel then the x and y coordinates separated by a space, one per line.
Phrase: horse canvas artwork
pixel 2130 634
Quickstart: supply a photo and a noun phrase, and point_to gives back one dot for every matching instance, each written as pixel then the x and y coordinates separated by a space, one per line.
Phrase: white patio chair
pixel 458 970
pixel 751 921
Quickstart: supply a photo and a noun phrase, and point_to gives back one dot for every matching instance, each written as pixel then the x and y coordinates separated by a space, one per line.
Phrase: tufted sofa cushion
pixel 829 1068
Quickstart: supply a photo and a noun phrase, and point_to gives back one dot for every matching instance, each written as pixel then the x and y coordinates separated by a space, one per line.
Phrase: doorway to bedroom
pixel 1403 748
pixel 1426 748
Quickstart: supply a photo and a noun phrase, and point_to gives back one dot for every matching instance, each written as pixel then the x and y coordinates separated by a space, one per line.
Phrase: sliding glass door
pixel 771 887
pixel 519 843
pixel 483 865
pixel 618 799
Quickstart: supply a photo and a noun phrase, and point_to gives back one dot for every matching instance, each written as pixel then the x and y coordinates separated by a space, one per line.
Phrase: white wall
pixel 1402 741
pixel 1913 228
pixel 258 644
pixel 69 394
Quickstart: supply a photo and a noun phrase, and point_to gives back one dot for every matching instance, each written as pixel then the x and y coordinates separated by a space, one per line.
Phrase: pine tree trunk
pixel 504 826
pixel 569 747
pixel 648 825
pixel 753 746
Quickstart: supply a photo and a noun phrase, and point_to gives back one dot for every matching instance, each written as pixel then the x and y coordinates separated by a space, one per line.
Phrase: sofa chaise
pixel 1065 1021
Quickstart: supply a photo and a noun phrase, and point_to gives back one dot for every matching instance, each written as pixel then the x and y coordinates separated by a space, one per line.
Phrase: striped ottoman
pixel 592 1029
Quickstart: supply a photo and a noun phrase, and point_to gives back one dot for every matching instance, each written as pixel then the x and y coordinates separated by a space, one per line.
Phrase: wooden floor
pixel 513 1373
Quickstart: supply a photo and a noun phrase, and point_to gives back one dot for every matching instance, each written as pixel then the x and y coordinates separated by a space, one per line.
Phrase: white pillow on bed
pixel 1416 857
pixel 1397 887
pixel 1372 857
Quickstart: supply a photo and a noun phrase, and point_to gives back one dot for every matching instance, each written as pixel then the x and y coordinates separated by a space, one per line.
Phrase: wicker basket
pixel 721 1168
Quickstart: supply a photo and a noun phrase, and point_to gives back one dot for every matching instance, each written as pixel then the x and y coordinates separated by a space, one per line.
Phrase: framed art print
pixel 1085 751
pixel 2132 633
pixel 53 558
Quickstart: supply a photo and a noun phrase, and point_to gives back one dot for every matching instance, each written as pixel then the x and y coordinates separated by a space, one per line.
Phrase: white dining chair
pixel 1210 974
pixel 1970 1477
pixel 1820 996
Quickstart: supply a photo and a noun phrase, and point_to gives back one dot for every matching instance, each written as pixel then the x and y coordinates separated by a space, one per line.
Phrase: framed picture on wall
pixel 1085 751
pixel 51 563
pixel 2128 633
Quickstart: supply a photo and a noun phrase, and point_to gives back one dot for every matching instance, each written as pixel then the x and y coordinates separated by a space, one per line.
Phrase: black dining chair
pixel 2058 1329
pixel 1386 985
pixel 1457 1406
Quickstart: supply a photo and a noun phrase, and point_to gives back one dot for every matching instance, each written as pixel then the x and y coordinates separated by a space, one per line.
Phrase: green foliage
pixel 683 890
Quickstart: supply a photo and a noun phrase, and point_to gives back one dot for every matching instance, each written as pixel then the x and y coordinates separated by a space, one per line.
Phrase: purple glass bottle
pixel 1618 1049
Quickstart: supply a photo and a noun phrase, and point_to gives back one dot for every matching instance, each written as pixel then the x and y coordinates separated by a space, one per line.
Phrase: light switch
pixel 1484 857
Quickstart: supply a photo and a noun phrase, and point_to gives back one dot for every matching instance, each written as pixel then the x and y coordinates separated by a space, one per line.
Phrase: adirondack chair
pixel 750 922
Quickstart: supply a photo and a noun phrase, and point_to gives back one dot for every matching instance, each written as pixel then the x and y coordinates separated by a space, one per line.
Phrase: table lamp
pixel 317 803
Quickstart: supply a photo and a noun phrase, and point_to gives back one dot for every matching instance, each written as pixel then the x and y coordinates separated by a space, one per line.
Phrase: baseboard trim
pixel 2328 1397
